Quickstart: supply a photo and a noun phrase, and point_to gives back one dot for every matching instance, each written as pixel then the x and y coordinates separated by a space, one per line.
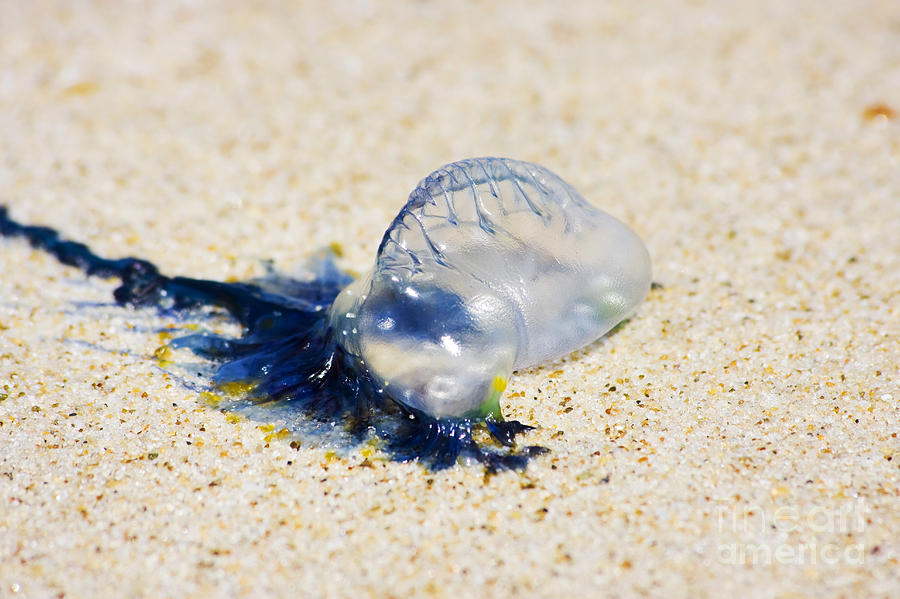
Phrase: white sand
pixel 750 446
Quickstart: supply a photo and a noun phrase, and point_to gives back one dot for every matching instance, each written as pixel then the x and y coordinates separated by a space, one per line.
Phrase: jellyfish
pixel 493 265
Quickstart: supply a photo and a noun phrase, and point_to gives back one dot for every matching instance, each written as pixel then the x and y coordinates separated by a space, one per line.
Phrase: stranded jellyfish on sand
pixel 491 266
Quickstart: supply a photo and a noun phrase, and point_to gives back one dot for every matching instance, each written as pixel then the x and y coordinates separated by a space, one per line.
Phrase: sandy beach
pixel 737 437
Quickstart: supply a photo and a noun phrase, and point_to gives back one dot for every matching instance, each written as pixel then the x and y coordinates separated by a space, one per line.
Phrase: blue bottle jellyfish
pixel 491 266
